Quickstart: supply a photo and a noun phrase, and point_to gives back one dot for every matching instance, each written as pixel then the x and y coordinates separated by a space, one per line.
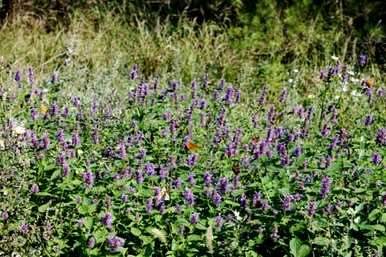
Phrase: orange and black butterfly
pixel 191 146
pixel 369 82
pixel 236 169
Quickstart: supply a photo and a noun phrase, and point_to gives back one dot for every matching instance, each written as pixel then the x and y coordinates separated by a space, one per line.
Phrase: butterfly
pixel 236 169
pixel 43 109
pixel 191 146
pixel 369 82
pixel 165 193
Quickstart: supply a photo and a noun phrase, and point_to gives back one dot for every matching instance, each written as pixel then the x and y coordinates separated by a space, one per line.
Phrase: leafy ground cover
pixel 194 151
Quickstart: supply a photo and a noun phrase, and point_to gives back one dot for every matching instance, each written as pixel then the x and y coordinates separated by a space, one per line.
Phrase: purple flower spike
pixel 35 189
pixel 149 205
pixel 192 160
pixel 368 120
pixel 88 178
pixel 24 228
pixel 194 218
pixel 286 203
pixel 31 76
pixel 216 197
pixel 207 178
pixel 17 76
pixel 218 221
pixel 381 136
pixel 189 197
pixel 4 215
pixel 376 158
pixel 149 169
pixel 311 209
pixel 75 139
pixel 363 59
pixel 91 243
pixel 115 243
pixel 325 188
pixel 107 219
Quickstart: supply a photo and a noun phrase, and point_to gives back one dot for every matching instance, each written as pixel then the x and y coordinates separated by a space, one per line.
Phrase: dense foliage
pixel 163 168
pixel 132 128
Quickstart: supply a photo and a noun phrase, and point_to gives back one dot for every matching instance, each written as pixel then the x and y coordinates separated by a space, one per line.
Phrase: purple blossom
pixel 283 95
pixel 286 202
pixel 163 172
pixel 216 197
pixel 54 109
pixel 91 243
pixel 368 120
pixel 139 177
pixel 208 178
pixel 256 199
pixel 107 219
pixel 149 169
pixel 4 215
pixel 88 178
pixel 243 201
pixel 134 72
pixel 230 150
pixel 191 179
pixel 177 182
pixel 122 150
pixel 325 130
pixel 311 209
pixel 229 95
pixel 34 189
pixel 376 158
pixel 194 89
pixel 194 218
pixel 189 197
pixel 75 139
pixel 17 76
pixel 149 205
pixel 31 76
pixel 24 228
pixel 218 221
pixel 115 243
pixel 298 151
pixel 381 136
pixel 363 59
pixel 34 114
pixel 192 160
pixel 222 185
pixel 65 112
pixel 325 187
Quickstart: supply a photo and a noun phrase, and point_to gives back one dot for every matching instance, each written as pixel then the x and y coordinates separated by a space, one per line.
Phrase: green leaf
pixel 160 234
pixel 56 174
pixel 379 227
pixel 135 231
pixel 304 251
pixel 383 218
pixel 373 215
pixel 321 241
pixel 298 249
pixel 44 207
pixel 100 235
pixel 194 238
